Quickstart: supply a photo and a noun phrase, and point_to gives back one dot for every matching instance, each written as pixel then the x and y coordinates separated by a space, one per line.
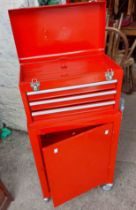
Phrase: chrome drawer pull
pixel 53 111
pixel 74 87
pixel 91 95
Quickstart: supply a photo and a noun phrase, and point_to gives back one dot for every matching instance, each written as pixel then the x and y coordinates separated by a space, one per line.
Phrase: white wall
pixel 11 108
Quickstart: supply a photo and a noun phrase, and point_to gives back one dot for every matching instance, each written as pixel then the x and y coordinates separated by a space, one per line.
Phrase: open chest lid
pixel 55 30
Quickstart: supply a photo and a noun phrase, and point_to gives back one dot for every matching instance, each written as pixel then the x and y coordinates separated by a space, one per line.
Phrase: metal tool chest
pixel 71 94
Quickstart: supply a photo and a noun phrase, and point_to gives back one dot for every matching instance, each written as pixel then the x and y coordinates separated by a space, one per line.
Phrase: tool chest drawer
pixel 77 161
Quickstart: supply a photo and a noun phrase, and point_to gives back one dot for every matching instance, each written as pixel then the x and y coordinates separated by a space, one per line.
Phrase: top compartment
pixel 58 30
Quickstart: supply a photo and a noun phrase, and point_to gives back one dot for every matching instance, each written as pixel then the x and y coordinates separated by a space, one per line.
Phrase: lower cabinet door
pixel 76 164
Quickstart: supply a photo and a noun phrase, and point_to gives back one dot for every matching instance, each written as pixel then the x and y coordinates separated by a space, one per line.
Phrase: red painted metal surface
pixel 62 48
pixel 89 151
pixel 51 30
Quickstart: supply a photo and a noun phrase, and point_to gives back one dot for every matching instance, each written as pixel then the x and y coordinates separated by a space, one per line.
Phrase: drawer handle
pixel 74 87
pixel 63 99
pixel 73 108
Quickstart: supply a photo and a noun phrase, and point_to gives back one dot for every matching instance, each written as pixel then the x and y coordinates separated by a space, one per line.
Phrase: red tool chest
pixel 71 94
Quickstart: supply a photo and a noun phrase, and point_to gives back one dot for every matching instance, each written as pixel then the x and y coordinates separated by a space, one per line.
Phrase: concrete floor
pixel 18 172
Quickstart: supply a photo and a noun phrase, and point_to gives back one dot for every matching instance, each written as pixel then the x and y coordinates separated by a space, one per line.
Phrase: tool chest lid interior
pixel 50 30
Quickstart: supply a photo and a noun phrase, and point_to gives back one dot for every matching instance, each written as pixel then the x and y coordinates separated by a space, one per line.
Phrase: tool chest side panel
pixel 35 140
pixel 114 147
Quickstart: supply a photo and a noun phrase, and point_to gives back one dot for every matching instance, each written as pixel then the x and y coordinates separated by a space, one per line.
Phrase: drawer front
pixel 69 90
pixel 72 100
pixel 78 163
pixel 40 109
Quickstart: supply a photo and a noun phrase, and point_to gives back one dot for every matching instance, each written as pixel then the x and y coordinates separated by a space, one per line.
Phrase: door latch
pixel 109 74
pixel 56 150
pixel 35 84
pixel 106 132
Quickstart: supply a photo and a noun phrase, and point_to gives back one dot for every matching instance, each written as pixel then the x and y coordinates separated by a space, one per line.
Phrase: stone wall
pixel 11 108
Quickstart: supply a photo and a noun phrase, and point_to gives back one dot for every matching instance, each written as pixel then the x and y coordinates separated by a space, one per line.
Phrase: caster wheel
pixel 107 187
pixel 46 199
